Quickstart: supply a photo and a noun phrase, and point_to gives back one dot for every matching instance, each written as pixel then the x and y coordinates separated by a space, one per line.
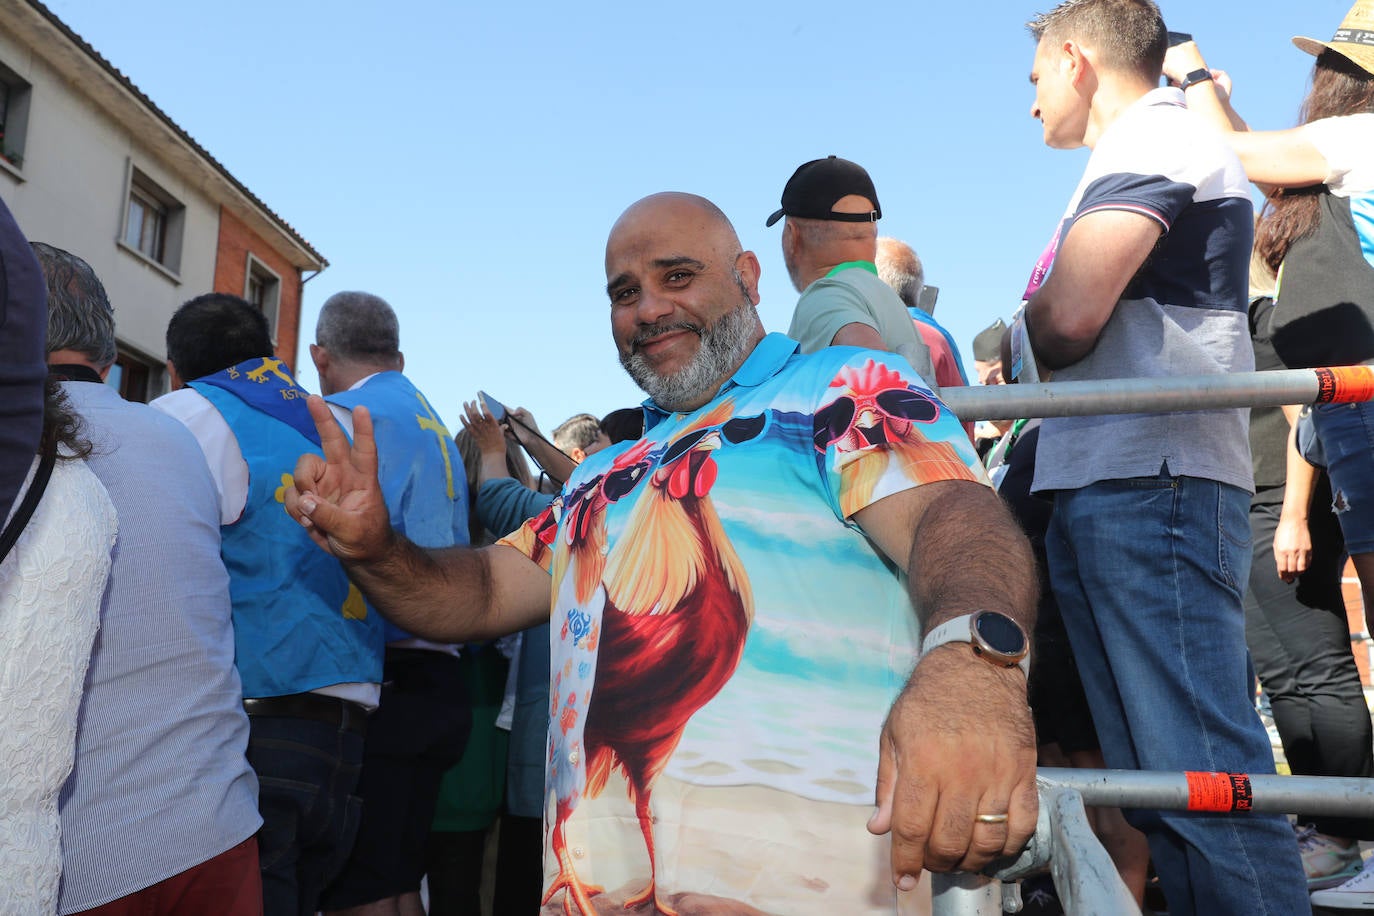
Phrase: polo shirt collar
pixel 1162 95
pixel 766 360
pixel 851 265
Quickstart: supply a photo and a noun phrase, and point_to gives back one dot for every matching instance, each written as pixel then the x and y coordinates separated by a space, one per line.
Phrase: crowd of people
pixel 269 651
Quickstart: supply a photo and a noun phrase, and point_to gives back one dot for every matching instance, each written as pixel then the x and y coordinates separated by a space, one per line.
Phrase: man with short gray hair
pixel 161 803
pixel 900 268
pixel 422 722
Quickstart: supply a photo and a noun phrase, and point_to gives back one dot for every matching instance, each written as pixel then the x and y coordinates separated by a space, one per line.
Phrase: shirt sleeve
pixel 504 504
pixel 823 310
pixel 535 538
pixel 880 431
pixel 1347 145
pixel 216 440
pixel 1154 197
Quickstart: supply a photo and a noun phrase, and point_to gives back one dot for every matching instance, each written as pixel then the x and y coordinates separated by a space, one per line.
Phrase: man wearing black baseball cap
pixel 829 243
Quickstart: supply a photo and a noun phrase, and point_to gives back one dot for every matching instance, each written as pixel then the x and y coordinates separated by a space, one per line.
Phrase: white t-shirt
pixel 1347 145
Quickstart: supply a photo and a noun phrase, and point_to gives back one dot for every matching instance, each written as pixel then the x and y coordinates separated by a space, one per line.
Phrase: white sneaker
pixel 1355 894
pixel 1327 860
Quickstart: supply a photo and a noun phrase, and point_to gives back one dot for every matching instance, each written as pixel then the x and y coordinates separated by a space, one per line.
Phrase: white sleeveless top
pixel 50 590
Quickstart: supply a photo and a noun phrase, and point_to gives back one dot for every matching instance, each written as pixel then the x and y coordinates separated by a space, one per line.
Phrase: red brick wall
pixel 236 240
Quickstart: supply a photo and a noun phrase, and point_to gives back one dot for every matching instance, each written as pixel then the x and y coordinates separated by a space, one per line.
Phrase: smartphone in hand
pixel 493 406
pixel 1178 38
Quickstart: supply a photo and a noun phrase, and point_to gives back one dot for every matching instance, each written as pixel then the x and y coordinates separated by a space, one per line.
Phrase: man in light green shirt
pixel 829 243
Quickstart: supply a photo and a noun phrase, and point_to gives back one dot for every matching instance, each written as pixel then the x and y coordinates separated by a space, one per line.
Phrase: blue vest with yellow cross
pixel 299 623
pixel 422 476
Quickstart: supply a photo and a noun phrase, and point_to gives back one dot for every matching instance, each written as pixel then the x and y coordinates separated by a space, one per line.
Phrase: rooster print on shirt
pixel 654 607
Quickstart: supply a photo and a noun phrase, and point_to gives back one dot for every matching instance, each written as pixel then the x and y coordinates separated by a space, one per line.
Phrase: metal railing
pixel 1064 843
pixel 1342 384
pixel 1084 875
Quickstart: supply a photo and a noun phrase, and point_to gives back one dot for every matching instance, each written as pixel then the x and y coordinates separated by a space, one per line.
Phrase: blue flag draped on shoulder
pixel 264 384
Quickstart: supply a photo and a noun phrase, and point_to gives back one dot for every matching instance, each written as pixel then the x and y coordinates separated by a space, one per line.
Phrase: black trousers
pixel 1299 639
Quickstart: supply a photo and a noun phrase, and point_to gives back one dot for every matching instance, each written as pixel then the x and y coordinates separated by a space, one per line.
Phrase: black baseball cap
pixel 987 344
pixel 815 186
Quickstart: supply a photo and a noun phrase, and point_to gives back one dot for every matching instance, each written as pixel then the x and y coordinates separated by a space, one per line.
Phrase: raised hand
pixel 486 432
pixel 957 744
pixel 1182 59
pixel 522 425
pixel 337 498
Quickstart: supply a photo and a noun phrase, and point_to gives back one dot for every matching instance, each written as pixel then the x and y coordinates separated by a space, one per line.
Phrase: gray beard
pixel 724 345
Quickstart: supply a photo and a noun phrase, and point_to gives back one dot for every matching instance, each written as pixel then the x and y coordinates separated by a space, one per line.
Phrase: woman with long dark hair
pixel 1317 232
pixel 52 576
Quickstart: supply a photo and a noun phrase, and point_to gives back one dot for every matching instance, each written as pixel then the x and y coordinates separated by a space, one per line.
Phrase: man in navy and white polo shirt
pixel 1148 546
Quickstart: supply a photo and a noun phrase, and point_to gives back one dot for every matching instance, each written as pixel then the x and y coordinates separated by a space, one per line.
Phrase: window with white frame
pixel 14 115
pixel 146 227
pixel 262 287
pixel 153 221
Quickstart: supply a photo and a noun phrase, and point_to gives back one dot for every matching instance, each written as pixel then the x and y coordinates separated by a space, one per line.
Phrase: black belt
pixel 347 715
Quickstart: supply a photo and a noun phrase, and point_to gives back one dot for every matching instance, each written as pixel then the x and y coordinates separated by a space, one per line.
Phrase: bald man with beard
pixel 726 645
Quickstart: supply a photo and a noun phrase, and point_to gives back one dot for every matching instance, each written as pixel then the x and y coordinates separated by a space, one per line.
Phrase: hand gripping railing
pixel 1342 384
pixel 1084 876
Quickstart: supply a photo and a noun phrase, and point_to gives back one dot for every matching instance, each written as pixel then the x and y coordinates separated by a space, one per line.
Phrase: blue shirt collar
pixel 766 361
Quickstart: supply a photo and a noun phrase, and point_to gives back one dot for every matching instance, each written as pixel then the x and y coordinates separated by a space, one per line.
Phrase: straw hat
pixel 1354 39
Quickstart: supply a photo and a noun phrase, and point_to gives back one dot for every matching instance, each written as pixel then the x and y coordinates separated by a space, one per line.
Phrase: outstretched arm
pixel 1272 158
pixel 490 439
pixel 454 594
pixel 547 455
pixel 959 741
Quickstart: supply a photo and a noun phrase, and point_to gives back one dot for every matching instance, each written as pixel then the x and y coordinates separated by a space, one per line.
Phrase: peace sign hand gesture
pixel 337 499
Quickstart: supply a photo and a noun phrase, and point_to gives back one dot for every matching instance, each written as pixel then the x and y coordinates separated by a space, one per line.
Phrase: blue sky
pixel 465 161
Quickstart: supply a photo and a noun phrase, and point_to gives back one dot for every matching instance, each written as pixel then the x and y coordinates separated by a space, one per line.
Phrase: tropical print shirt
pixel 726 642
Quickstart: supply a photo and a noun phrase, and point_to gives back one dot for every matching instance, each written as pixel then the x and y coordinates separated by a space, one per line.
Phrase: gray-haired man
pixel 161 802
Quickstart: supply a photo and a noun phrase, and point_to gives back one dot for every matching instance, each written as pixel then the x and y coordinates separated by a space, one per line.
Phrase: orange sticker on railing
pixel 1345 384
pixel 1219 792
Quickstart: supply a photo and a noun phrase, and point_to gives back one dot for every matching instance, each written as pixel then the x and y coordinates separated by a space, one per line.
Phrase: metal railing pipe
pixel 1218 792
pixel 1162 395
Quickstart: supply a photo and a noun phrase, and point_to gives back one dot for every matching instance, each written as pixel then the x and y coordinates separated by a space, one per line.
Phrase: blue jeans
pixel 1149 573
pixel 307 771
pixel 1346 432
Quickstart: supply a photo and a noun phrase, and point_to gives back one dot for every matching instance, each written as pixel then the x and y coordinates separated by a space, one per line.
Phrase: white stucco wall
pixel 73 192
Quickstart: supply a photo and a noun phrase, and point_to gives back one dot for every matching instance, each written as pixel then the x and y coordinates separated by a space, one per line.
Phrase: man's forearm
pixel 444 594
pixel 552 459
pixel 1055 341
pixel 959 566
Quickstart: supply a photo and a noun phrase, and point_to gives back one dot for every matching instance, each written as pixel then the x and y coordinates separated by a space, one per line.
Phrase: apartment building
pixel 90 164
